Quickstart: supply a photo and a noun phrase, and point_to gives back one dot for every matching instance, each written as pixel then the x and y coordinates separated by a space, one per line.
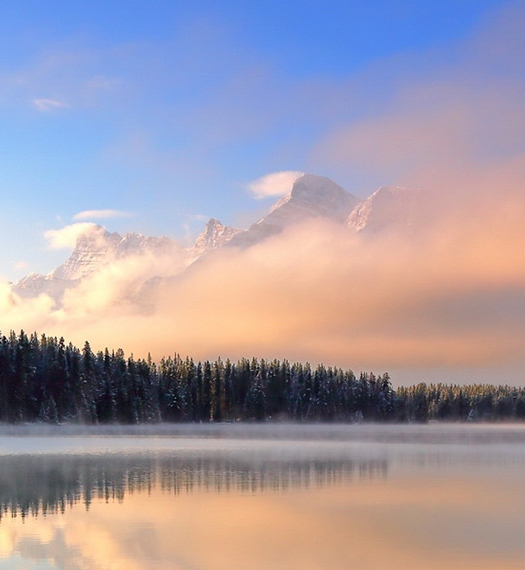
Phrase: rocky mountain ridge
pixel 310 197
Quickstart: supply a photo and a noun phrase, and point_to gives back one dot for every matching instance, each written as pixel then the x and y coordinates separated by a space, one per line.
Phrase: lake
pixel 269 497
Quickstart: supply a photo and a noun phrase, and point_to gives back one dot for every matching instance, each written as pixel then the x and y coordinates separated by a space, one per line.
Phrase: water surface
pixel 232 497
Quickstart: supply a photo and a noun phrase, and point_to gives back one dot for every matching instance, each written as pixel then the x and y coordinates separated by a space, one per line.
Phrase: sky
pixel 154 117
pixel 167 111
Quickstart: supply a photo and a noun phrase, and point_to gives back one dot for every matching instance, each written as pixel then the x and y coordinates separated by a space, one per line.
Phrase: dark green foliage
pixel 43 379
pixel 446 402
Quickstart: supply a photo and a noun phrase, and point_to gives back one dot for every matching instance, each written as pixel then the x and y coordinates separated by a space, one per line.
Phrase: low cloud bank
pixel 445 301
pixel 450 298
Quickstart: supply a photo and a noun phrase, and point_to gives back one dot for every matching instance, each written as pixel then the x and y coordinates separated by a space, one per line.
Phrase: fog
pixel 444 301
pixel 375 497
pixel 448 299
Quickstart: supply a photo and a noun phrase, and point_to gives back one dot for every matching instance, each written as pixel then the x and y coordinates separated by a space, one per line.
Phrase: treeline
pixel 44 379
pixel 473 402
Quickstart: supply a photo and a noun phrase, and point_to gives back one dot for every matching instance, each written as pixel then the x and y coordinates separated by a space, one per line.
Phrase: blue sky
pixel 153 117
pixel 167 110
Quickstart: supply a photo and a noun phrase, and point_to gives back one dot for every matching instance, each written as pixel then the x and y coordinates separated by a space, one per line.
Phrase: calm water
pixel 263 498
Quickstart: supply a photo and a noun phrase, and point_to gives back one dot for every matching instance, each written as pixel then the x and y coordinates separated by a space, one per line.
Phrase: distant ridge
pixel 311 197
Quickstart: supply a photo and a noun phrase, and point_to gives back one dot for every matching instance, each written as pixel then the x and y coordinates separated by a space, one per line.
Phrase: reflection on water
pixel 42 484
pixel 238 497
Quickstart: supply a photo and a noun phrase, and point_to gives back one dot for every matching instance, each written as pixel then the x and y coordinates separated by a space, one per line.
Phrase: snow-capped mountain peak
pixel 93 247
pixel 311 197
pixel 386 208
pixel 213 235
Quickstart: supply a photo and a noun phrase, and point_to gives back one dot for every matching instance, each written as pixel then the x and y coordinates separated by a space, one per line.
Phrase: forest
pixel 43 379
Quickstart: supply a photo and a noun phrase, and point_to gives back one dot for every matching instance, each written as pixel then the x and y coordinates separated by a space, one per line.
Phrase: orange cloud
pixel 451 298
pixel 448 296
pixel 442 302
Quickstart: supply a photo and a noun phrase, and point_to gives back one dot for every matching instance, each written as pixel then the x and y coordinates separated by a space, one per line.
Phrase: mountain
pixel 213 236
pixel 389 207
pixel 311 197
pixel 94 249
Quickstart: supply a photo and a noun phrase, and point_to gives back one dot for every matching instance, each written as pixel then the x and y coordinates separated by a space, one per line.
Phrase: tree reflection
pixel 32 485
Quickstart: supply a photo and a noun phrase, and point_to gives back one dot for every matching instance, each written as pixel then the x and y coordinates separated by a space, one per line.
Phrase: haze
pixel 158 128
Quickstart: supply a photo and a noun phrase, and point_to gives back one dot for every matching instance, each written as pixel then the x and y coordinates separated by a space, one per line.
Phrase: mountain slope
pixel 388 208
pixel 94 249
pixel 311 197
pixel 213 235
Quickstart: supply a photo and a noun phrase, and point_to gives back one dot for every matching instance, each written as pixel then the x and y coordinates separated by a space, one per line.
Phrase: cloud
pixel 112 289
pixel 276 184
pixel 101 214
pixel 444 303
pixel 445 119
pixel 321 294
pixel 66 238
pixel 36 312
pixel 452 300
pixel 46 105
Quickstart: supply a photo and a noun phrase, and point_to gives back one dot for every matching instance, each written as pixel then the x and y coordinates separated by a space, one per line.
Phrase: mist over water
pixel 245 496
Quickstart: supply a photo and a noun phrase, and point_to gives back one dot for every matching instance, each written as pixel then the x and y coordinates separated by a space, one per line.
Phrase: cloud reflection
pixel 308 497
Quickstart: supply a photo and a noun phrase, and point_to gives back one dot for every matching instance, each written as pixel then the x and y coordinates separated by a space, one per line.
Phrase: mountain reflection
pixel 32 485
